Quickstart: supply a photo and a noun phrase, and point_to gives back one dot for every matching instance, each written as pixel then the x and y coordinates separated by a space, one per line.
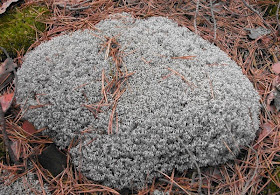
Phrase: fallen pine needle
pixel 182 77
pixel 172 180
pixel 184 57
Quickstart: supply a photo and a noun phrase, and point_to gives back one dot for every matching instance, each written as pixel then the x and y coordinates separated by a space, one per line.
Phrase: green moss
pixel 270 7
pixel 272 187
pixel 18 28
pixel 2 149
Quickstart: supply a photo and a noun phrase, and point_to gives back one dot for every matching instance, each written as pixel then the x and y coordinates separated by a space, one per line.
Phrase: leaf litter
pixel 252 171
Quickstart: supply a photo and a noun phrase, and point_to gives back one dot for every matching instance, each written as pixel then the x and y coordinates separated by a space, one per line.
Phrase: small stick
pixel 277 16
pixel 248 6
pixel 214 20
pixel 110 125
pixel 108 48
pixel 255 11
pixel 211 86
pixel 195 16
pixel 103 87
pixel 183 57
pixel 117 123
pixel 5 136
pixel 172 177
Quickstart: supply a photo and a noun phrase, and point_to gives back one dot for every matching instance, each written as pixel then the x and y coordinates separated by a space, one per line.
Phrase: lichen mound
pixel 173 112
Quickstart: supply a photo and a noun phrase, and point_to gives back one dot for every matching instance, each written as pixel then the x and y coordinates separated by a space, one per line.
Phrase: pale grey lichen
pixel 160 116
pixel 158 192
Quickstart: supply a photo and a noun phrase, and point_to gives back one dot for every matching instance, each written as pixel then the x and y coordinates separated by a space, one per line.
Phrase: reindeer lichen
pixel 171 107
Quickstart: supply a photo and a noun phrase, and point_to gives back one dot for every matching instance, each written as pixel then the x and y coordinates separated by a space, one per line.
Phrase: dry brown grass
pixel 223 24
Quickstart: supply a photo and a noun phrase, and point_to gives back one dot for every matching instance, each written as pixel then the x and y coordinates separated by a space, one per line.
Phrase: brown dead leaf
pixel 266 129
pixel 276 101
pixel 276 67
pixel 5 80
pixel 266 40
pixel 273 99
pixel 7 66
pixel 5 5
pixel 269 100
pixel 15 146
pixel 5 101
pixel 276 82
pixel 28 127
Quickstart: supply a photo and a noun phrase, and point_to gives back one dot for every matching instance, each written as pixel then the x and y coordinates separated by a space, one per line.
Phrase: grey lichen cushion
pixel 184 101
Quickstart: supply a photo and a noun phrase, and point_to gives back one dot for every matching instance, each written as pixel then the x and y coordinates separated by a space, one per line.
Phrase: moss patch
pixel 270 7
pixel 272 187
pixel 18 28
pixel 2 149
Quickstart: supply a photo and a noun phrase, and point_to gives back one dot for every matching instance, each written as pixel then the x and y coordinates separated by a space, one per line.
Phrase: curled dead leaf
pixel 273 99
pixel 6 77
pixel 28 127
pixel 276 67
pixel 269 101
pixel 15 146
pixel 6 101
pixel 7 66
pixel 266 129
pixel 276 81
pixel 5 80
pixel 276 101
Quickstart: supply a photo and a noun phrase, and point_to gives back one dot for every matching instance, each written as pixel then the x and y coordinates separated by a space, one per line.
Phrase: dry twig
pixel 214 20
pixel 5 136
pixel 195 16
pixel 258 13
pixel 277 16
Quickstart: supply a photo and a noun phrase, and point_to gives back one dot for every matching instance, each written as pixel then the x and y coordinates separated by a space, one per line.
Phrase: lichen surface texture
pixel 171 107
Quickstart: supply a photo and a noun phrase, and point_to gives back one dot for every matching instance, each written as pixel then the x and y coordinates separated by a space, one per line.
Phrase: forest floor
pixel 247 30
